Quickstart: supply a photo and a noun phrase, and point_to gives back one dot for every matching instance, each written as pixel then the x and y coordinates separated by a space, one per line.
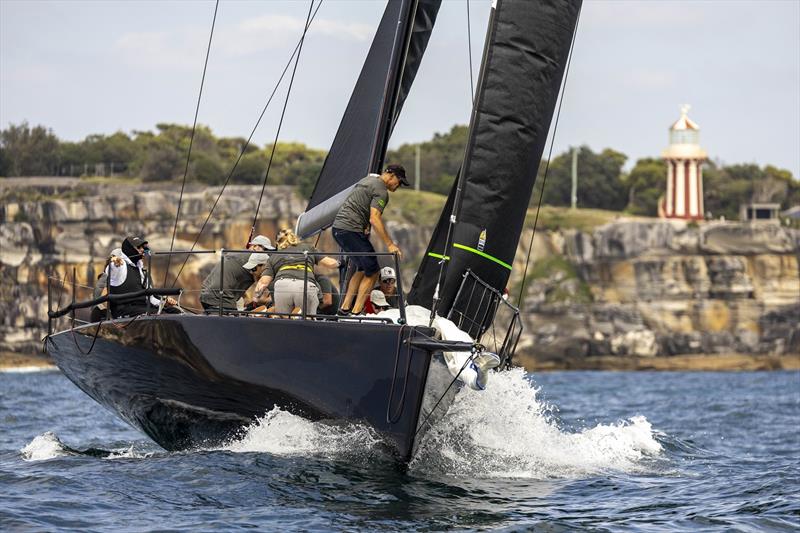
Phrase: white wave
pixel 43 447
pixel 506 431
pixel 282 433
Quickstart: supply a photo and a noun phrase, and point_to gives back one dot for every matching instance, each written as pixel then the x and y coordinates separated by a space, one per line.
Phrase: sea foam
pixel 282 433
pixel 507 431
pixel 43 447
pixel 504 431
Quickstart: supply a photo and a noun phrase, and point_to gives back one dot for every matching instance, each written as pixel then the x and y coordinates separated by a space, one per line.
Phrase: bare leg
pixel 352 287
pixel 364 288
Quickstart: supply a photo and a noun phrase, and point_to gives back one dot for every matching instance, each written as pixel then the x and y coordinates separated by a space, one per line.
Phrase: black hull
pixel 194 381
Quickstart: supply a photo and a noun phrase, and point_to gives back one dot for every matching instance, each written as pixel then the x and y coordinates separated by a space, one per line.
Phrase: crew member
pixel 289 271
pixel 361 211
pixel 239 273
pixel 378 303
pixel 386 292
pixel 127 274
pixel 260 243
pixel 329 300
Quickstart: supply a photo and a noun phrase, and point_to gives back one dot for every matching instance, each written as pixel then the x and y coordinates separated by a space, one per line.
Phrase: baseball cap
pixel 263 241
pixel 137 241
pixel 255 260
pixel 388 273
pixel 400 172
pixel 378 298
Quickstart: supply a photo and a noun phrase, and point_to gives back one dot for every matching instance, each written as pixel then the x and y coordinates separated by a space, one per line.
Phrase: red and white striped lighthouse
pixel 684 159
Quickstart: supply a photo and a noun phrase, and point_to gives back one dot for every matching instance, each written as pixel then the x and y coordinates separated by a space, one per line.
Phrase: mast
pixel 524 59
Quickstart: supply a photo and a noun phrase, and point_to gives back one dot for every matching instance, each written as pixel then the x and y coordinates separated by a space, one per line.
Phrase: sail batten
pixel 524 61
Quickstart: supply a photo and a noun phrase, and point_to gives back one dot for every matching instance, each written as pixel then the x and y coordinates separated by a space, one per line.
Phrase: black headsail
pixel 526 51
pixel 385 80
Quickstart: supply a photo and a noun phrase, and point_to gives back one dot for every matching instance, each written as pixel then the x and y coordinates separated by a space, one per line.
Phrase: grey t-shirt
pixel 354 213
pixel 236 281
pixel 292 266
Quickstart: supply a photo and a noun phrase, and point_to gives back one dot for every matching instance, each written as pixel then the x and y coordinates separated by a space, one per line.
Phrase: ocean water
pixel 564 451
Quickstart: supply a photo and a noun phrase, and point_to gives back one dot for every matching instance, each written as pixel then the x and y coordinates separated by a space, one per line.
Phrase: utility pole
pixel 416 170
pixel 574 177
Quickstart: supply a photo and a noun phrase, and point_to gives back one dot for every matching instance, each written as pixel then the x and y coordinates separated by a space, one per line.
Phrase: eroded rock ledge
pixel 637 288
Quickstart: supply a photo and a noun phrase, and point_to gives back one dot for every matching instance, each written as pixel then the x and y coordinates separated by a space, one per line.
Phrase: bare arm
pixel 328 262
pixel 376 220
pixel 262 288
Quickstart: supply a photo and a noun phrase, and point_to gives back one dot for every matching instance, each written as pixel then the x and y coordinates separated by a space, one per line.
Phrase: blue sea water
pixel 563 451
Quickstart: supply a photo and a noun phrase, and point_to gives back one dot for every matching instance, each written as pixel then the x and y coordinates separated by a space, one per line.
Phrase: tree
pixel 646 184
pixel 29 151
pixel 206 169
pixel 600 179
pixel 250 170
pixel 161 163
pixel 440 159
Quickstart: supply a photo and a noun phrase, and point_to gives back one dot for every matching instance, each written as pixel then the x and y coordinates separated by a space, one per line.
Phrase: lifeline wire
pixel 244 148
pixel 469 47
pixel 191 142
pixel 280 122
pixel 547 165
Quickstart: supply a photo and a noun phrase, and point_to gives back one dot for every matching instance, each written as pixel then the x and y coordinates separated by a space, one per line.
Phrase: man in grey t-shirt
pixel 361 211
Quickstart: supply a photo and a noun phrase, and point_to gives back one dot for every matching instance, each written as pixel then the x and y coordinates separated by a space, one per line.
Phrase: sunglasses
pixel 389 281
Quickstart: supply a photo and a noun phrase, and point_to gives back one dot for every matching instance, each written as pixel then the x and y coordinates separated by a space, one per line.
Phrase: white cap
pixel 378 298
pixel 262 241
pixel 388 273
pixel 255 260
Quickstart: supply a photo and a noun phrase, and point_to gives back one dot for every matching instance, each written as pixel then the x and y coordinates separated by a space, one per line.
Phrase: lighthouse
pixel 684 159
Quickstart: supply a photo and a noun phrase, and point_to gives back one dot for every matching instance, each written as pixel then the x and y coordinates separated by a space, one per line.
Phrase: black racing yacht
pixel 191 381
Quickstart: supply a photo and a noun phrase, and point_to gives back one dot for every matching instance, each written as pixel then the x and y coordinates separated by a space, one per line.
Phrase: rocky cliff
pixel 638 287
pixel 648 288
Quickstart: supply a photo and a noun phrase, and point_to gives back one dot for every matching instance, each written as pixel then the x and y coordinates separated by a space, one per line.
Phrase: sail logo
pixel 482 240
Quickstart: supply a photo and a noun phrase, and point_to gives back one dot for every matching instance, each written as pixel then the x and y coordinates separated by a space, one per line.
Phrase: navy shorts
pixel 353 241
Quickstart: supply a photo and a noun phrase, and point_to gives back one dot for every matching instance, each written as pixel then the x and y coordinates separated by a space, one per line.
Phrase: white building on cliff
pixel 684 158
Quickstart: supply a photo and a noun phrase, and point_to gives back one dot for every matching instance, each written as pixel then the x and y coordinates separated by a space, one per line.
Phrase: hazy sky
pixel 98 67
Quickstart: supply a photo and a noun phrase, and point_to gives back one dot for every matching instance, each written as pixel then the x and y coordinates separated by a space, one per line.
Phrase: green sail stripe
pixel 439 256
pixel 482 254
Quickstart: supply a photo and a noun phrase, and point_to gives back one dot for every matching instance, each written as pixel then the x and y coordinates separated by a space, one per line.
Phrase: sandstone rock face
pixel 638 288
pixel 665 288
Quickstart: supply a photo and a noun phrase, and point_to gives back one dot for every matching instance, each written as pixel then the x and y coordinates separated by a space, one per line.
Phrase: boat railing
pixel 487 316
pixel 56 287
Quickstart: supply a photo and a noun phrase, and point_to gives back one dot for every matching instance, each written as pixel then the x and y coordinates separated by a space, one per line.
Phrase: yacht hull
pixel 191 381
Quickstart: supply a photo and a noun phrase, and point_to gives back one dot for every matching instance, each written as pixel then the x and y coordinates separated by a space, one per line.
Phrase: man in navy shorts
pixel 361 211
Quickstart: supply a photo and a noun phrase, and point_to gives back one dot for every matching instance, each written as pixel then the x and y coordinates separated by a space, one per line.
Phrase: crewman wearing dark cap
pixel 360 212
pixel 126 274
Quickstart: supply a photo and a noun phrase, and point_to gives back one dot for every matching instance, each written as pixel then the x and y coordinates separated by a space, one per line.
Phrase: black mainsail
pixel 383 85
pixel 518 86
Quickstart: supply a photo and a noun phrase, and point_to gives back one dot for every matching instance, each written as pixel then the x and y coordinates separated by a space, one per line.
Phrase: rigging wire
pixel 191 141
pixel 246 145
pixel 469 48
pixel 280 122
pixel 547 165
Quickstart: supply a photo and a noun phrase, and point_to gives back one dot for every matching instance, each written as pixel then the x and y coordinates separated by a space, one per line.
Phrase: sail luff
pixel 526 53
